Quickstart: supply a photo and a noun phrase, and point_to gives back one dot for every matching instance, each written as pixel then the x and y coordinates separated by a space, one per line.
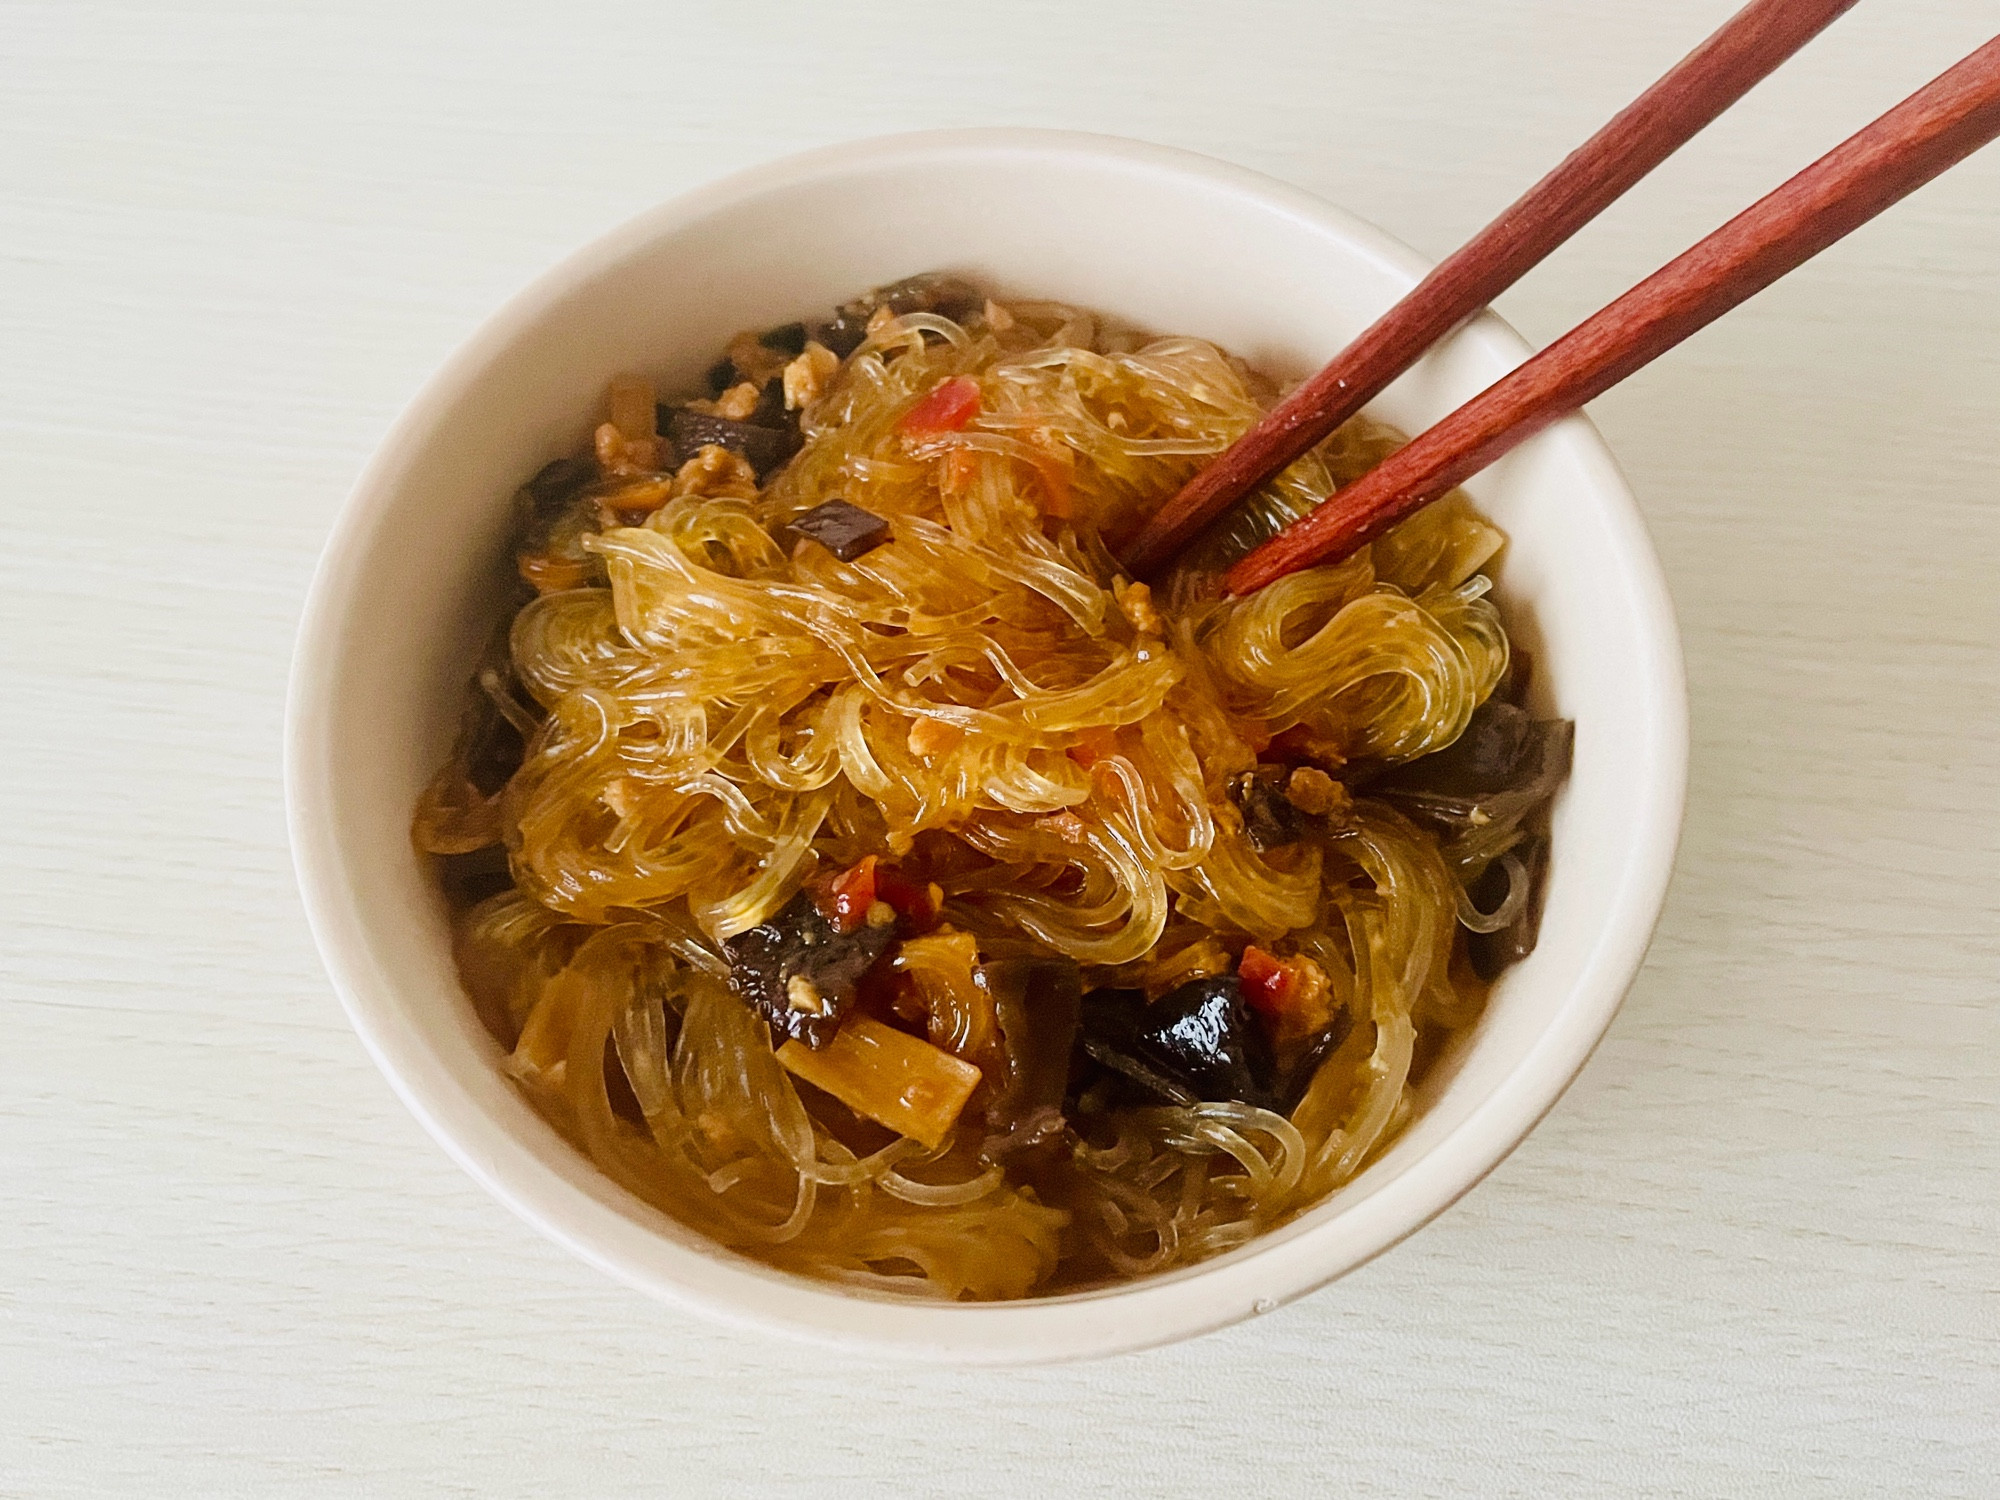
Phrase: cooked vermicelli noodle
pixel 863 870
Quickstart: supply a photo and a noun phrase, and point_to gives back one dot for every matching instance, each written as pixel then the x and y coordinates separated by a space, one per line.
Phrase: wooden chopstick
pixel 1935 128
pixel 1641 136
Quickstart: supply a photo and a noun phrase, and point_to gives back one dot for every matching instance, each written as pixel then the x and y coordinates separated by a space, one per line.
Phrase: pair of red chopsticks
pixel 1935 128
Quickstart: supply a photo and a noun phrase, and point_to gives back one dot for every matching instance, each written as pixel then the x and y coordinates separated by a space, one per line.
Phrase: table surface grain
pixel 1755 1251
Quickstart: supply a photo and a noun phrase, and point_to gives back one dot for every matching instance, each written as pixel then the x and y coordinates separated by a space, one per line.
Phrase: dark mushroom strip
pixel 752 356
pixel 1204 1032
pixel 1491 952
pixel 1504 766
pixel 763 447
pixel 799 971
pixel 844 333
pixel 771 411
pixel 1519 677
pixel 618 1090
pixel 787 339
pixel 1497 776
pixel 1482 759
pixel 554 512
pixel 847 531
pixel 492 740
pixel 1199 1038
pixel 470 878
pixel 1270 821
pixel 1038 1002
pixel 459 812
pixel 933 291
pixel 556 486
pixel 1110 1026
pixel 494 750
pixel 547 505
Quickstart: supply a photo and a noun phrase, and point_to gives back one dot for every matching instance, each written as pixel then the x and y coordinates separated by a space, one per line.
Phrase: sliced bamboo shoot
pixel 893 1078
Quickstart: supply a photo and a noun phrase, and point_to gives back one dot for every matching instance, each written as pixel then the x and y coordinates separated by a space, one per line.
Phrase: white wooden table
pixel 1755 1251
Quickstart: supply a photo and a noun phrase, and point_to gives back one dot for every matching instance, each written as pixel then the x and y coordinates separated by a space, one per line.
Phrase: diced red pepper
pixel 946 409
pixel 845 899
pixel 916 905
pixel 849 896
pixel 1289 995
pixel 1267 983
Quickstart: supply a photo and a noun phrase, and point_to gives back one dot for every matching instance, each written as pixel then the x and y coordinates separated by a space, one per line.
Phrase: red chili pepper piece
pixel 946 409
pixel 1267 983
pixel 845 899
pixel 916 905
pixel 850 895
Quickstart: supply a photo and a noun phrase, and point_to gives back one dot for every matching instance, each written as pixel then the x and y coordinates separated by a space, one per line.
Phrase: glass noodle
pixel 715 718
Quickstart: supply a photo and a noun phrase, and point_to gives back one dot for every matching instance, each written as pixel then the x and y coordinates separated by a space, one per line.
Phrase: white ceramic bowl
pixel 410 585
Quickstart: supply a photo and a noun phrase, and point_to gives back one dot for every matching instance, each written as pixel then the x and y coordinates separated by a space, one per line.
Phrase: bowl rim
pixel 601 1229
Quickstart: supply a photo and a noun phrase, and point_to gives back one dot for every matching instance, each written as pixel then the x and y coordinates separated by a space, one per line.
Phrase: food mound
pixel 859 867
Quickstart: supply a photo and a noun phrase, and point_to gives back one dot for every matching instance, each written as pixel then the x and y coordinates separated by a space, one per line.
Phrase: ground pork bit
pixel 619 455
pixel 755 360
pixel 1301 1002
pixel 806 376
pixel 930 737
pixel 1135 602
pixel 739 402
pixel 716 473
pixel 1311 790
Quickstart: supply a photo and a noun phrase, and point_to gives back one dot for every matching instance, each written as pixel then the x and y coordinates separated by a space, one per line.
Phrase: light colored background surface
pixel 1755 1251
